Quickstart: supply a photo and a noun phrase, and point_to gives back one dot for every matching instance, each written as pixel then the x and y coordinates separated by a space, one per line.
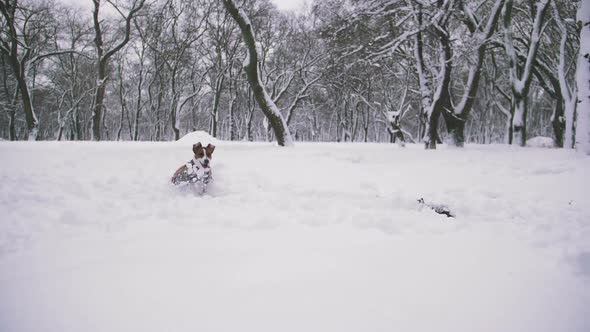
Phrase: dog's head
pixel 203 154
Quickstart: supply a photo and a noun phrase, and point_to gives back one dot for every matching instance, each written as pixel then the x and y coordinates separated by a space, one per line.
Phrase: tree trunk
pixel 12 110
pixel 249 129
pixel 98 101
pixel 249 117
pixel 430 132
pixel 30 116
pixel 518 124
pixel 121 120
pixel 570 115
pixel 215 111
pixel 12 117
pixel 174 110
pixel 104 125
pixel 158 128
pixel 395 133
pixel 455 129
pixel 78 129
pixel 12 124
pixel 558 123
pixel 233 128
pixel 457 117
pixel 442 101
pixel 121 100
pixel 138 107
pixel 431 108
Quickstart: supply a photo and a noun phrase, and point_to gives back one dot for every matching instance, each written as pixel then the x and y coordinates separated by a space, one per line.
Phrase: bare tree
pixel 457 117
pixel 25 33
pixel 223 45
pixel 71 75
pixel 342 70
pixel 103 56
pixel 441 98
pixel 521 78
pixel 568 92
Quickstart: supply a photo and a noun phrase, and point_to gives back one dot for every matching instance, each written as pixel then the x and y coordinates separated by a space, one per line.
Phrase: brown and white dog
pixel 197 169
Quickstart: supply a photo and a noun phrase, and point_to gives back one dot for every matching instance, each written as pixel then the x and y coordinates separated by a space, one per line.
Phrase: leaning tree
pixel 252 69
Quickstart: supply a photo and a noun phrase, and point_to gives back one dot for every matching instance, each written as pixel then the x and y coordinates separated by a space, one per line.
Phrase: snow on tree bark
pixel 441 101
pixel 430 105
pixel 583 80
pixel 520 80
pixel 568 93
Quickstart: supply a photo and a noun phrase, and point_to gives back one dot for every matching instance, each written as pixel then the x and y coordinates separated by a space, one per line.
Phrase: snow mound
pixel 540 142
pixel 197 136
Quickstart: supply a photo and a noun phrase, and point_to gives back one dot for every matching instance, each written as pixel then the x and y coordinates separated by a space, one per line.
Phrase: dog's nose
pixel 206 161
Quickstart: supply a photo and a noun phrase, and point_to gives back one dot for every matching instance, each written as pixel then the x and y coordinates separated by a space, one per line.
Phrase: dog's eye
pixel 200 154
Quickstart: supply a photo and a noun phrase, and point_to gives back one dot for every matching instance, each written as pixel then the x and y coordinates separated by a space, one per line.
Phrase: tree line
pixel 458 71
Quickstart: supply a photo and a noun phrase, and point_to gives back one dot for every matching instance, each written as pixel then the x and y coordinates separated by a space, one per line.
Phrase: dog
pixel 198 169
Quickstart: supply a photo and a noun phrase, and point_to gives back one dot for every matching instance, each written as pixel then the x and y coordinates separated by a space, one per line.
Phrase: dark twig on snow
pixel 438 208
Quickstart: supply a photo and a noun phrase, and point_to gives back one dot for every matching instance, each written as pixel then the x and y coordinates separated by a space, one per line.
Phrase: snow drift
pixel 197 136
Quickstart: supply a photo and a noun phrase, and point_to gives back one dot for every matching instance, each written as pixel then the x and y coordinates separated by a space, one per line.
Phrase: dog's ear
pixel 210 148
pixel 197 146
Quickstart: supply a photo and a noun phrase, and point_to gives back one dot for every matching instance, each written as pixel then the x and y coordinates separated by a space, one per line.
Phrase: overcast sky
pixel 288 4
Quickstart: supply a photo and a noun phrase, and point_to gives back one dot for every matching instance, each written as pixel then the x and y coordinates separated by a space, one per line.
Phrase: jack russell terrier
pixel 198 169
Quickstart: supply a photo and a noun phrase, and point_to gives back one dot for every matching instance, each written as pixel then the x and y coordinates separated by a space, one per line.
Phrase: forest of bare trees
pixel 454 71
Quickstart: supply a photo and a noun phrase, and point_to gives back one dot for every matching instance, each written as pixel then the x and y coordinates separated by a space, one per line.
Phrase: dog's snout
pixel 206 161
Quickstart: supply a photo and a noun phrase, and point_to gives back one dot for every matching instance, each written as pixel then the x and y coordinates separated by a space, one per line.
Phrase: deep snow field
pixel 317 237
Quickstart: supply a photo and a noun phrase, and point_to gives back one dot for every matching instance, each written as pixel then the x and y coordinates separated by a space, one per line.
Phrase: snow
pixel 290 5
pixel 391 115
pixel 318 237
pixel 540 142
pixel 197 136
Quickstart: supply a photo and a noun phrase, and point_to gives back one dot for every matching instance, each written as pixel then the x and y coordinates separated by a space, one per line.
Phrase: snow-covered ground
pixel 317 237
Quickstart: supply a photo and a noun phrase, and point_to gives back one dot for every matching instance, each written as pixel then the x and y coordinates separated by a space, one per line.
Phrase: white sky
pixel 288 4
